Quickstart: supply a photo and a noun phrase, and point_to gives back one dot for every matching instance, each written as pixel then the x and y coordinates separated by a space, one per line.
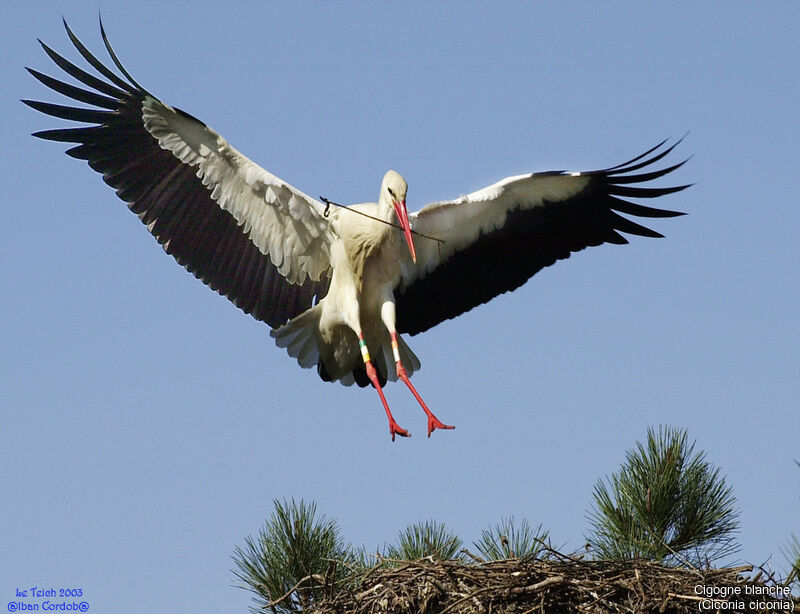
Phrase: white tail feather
pixel 407 357
pixel 299 337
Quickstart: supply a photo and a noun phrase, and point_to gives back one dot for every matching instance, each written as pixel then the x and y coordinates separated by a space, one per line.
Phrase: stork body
pixel 368 257
pixel 337 288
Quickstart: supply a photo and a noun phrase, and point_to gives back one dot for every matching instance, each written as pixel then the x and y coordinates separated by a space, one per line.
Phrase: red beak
pixel 402 216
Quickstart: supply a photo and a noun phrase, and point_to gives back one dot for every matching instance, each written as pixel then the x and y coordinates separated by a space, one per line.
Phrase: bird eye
pixel 391 192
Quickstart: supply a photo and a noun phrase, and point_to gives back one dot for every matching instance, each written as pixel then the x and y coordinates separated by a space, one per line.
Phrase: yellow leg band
pixel 395 349
pixel 364 351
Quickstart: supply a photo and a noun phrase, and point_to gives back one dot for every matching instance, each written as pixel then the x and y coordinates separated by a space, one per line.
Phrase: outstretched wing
pixel 241 230
pixel 493 240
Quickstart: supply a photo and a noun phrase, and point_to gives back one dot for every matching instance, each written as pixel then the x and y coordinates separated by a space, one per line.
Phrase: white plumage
pixel 339 286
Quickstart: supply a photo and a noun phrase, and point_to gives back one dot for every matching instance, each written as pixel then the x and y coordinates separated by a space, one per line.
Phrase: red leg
pixel 394 428
pixel 433 422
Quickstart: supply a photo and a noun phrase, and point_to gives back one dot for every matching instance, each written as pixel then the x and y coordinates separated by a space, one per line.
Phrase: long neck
pixel 363 236
pixel 386 208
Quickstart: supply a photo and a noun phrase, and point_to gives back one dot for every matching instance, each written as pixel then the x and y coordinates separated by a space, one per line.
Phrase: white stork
pixel 336 286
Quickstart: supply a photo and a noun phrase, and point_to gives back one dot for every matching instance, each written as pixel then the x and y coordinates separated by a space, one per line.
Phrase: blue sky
pixel 148 424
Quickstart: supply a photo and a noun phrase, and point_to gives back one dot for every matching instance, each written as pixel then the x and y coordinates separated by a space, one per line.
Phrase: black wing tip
pixel 114 57
pixel 47 135
pixel 681 188
pixel 637 158
pixel 34 104
pixel 45 46
pixel 70 34
pixel 642 160
pixel 618 179
pixel 109 83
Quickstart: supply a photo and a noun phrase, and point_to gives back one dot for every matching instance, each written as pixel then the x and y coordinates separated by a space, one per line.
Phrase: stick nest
pixel 567 584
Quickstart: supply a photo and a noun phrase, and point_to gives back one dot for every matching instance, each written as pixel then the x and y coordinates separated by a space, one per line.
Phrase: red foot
pixel 433 422
pixel 395 429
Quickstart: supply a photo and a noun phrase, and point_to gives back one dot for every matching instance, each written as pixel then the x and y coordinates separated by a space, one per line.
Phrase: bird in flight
pixel 337 285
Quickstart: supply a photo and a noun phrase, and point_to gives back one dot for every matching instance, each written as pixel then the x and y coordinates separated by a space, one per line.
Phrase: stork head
pixel 393 193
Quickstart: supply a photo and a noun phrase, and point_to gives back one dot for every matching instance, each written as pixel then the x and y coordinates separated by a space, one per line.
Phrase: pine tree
pixel 665 504
pixel 506 540
pixel 293 557
pixel 428 539
pixel 792 553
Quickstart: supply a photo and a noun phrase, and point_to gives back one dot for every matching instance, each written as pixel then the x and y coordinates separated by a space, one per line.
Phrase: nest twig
pixel 555 585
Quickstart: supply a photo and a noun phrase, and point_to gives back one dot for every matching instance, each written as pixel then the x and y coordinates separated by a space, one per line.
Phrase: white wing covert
pixel 281 221
pixel 241 230
pixel 491 241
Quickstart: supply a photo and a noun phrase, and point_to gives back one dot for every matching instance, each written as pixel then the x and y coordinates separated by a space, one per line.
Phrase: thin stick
pixel 275 602
pixel 328 204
